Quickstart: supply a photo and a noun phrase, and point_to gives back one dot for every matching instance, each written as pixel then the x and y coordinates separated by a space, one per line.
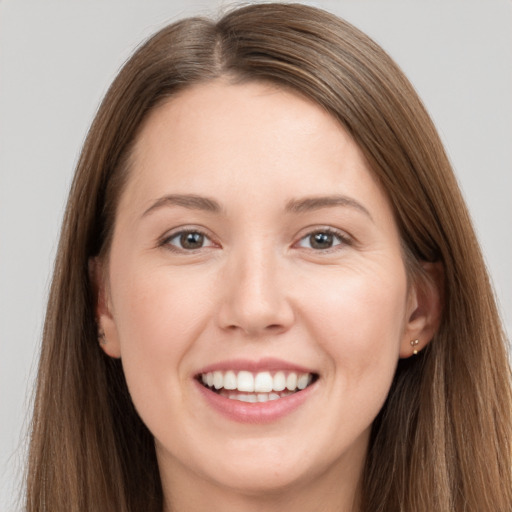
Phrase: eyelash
pixel 166 241
pixel 343 240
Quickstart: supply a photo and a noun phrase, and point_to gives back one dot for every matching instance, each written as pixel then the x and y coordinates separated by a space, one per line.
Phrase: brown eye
pixel 191 240
pixel 188 241
pixel 323 240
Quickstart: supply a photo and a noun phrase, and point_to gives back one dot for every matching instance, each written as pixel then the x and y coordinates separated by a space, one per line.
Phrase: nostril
pixel 255 316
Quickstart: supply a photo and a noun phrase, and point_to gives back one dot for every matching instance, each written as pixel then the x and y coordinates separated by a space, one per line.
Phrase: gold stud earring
pixel 414 344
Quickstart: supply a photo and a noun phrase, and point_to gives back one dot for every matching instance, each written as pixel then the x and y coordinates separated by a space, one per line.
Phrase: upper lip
pixel 268 364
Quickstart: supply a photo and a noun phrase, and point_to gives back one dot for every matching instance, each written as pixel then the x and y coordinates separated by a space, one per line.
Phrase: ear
pixel 424 306
pixel 107 331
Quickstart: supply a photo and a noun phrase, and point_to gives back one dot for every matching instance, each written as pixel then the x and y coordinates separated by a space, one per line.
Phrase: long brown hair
pixel 443 438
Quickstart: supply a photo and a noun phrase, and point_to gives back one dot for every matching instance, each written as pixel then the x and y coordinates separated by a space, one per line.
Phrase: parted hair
pixel 442 441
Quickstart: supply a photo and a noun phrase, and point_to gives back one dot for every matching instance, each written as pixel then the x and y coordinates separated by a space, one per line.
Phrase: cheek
pixel 358 325
pixel 358 320
pixel 158 316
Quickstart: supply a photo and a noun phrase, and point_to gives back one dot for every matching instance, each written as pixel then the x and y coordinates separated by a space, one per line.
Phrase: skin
pixel 257 288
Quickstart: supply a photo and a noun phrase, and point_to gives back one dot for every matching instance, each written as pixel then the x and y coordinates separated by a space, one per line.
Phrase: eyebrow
pixel 318 202
pixel 195 202
pixel 190 201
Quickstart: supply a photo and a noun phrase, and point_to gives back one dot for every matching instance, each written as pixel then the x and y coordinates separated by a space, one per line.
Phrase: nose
pixel 255 301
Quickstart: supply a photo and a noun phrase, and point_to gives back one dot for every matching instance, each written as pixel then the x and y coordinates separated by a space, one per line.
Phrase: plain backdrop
pixel 57 59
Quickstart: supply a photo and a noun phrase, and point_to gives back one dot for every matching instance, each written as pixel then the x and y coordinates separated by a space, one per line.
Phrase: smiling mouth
pixel 250 387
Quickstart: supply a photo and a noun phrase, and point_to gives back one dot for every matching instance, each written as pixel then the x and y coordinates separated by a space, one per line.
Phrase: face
pixel 255 290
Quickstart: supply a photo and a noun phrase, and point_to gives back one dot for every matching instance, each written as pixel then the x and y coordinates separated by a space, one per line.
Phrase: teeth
pixel 230 381
pixel 218 380
pixel 303 381
pixel 279 382
pixel 291 381
pixel 248 398
pixel 262 383
pixel 253 397
pixel 245 381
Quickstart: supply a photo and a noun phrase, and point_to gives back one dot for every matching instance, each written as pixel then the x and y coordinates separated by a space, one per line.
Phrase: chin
pixel 258 479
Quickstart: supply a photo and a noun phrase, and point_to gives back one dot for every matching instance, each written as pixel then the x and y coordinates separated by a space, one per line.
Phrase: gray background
pixel 58 58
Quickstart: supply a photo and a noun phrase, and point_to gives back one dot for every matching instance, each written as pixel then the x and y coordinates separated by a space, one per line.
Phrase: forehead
pixel 212 115
pixel 248 139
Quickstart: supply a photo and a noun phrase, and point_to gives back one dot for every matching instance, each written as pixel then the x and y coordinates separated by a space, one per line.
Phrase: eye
pixel 188 240
pixel 323 239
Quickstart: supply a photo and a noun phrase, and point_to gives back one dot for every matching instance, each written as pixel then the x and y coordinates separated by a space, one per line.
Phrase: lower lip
pixel 259 412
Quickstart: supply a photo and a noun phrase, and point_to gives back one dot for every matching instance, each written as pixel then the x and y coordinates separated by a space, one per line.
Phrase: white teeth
pixel 279 381
pixel 260 383
pixel 303 381
pixel 247 398
pixel 218 380
pixel 245 381
pixel 291 381
pixel 255 397
pixel 263 382
pixel 230 381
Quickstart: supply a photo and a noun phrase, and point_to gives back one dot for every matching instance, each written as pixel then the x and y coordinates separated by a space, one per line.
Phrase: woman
pixel 268 294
